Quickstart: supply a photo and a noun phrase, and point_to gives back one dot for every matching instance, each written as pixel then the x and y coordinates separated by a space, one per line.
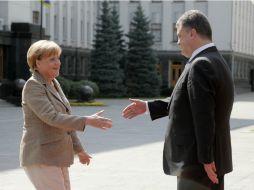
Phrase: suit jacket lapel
pixel 210 49
pixel 49 87
pixel 63 99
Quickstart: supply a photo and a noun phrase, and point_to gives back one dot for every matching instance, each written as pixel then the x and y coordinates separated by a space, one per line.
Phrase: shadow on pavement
pixel 239 123
pixel 245 97
pixel 124 134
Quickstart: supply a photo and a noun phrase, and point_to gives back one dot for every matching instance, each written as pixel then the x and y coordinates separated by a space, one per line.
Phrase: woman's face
pixel 49 66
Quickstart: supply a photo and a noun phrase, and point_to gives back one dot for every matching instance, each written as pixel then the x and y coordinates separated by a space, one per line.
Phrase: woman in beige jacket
pixel 49 139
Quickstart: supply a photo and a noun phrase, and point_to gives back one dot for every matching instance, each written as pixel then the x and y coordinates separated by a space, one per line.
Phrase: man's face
pixel 185 40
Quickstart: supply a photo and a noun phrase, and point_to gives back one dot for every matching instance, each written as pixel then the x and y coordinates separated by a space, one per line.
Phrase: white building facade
pixel 232 23
pixel 72 25
pixel 69 23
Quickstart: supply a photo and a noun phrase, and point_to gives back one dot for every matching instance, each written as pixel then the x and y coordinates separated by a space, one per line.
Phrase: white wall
pixel 243 27
pixel 232 21
pixel 4 15
pixel 4 9
pixel 167 32
pixel 123 15
pixel 19 11
pixel 220 17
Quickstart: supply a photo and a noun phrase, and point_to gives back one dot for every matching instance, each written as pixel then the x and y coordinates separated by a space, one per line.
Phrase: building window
pixel 64 66
pixel 82 31
pixel 64 20
pixel 131 17
pixel 1 63
pixel 82 25
pixel 114 4
pixel 64 29
pixel 178 9
pixel 202 6
pixel 74 22
pixel 71 66
pixel 245 71
pixel 82 66
pixel 36 16
pixel 156 31
pixel 56 27
pixel 93 31
pixel 47 24
pixel 156 17
pixel 88 37
pixel 236 70
pixel 175 38
pixel 72 30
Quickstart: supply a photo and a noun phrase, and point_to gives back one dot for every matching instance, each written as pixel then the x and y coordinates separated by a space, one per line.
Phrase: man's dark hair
pixel 197 20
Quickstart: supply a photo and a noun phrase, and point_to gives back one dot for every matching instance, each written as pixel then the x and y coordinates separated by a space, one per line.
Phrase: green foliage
pixel 165 90
pixel 93 85
pixel 65 84
pixel 75 90
pixel 142 78
pixel 72 88
pixel 87 104
pixel 117 29
pixel 106 56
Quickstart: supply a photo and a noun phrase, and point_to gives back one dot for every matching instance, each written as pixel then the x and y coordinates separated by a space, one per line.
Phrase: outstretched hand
pixel 137 107
pixel 211 172
pixel 96 120
pixel 84 158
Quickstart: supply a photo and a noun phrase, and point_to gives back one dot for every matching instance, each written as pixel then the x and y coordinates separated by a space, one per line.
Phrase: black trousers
pixel 195 178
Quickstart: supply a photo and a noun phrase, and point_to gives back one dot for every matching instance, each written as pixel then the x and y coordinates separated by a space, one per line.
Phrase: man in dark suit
pixel 197 146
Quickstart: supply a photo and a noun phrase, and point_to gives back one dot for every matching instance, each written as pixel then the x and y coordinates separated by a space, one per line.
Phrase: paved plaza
pixel 128 156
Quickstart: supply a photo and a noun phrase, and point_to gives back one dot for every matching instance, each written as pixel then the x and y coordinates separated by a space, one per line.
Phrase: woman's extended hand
pixel 96 120
pixel 84 158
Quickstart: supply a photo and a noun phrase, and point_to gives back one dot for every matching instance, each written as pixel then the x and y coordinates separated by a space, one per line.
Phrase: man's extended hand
pixel 211 172
pixel 134 109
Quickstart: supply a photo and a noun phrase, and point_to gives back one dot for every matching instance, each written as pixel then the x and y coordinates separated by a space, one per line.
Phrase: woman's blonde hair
pixel 40 49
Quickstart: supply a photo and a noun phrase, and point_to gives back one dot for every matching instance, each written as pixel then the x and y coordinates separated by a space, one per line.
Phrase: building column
pixel 60 16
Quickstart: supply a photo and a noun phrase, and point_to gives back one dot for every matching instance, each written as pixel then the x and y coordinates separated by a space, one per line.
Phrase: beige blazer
pixel 49 135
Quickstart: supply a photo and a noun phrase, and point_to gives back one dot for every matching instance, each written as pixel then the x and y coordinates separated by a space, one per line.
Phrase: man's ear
pixel 193 33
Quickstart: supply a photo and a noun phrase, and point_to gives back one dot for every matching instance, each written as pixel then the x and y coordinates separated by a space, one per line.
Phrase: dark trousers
pixel 195 178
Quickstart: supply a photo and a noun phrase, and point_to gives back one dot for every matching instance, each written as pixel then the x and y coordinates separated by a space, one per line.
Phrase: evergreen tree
pixel 142 78
pixel 119 37
pixel 105 68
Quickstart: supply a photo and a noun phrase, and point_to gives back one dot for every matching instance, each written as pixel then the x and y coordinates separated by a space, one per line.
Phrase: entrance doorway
pixel 1 63
pixel 176 70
